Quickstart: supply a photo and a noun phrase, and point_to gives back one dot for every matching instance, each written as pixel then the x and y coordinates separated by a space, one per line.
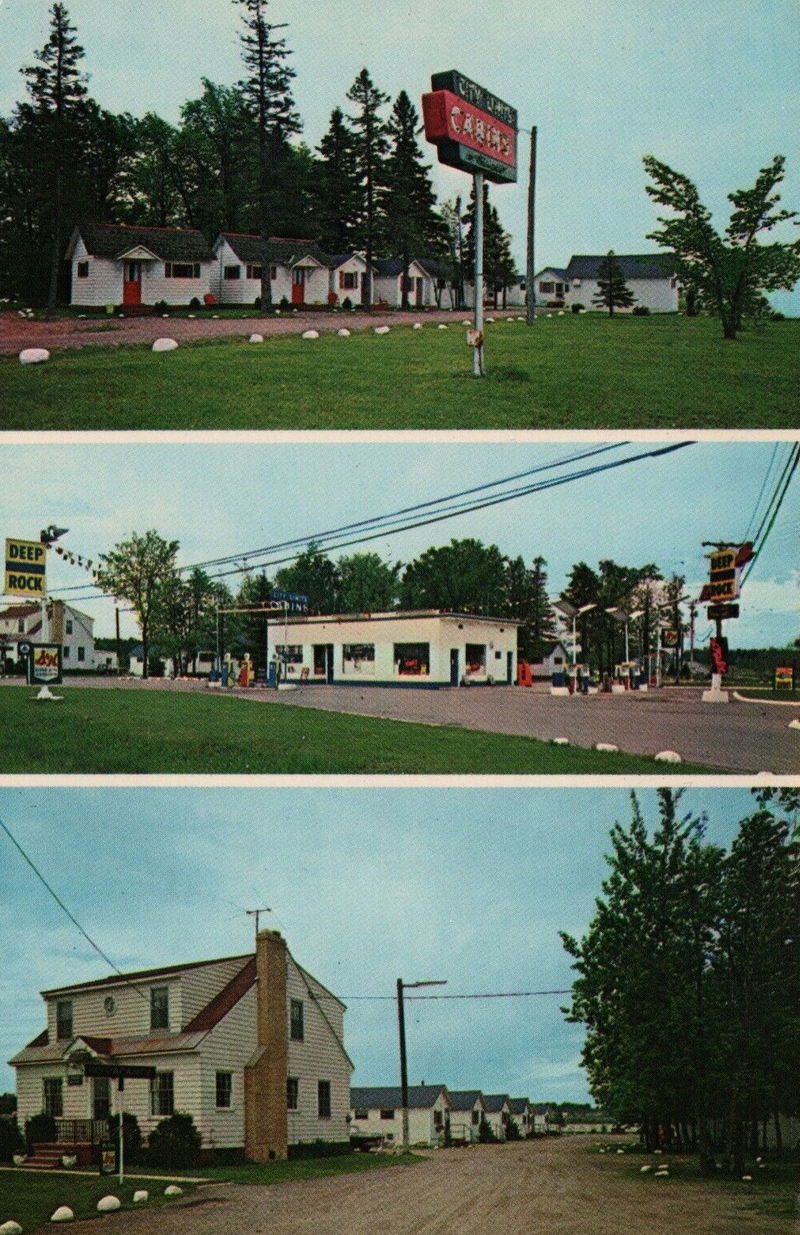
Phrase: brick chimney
pixel 265 1109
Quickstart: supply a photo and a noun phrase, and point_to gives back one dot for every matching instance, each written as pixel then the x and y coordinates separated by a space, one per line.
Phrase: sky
pixel 367 885
pixel 711 89
pixel 218 501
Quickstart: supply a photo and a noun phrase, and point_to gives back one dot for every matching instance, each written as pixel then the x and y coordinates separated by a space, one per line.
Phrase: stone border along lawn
pixel 31 1197
pixel 567 373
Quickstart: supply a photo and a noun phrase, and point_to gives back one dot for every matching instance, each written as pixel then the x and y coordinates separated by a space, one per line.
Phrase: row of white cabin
pixel 131 266
pixel 436 1114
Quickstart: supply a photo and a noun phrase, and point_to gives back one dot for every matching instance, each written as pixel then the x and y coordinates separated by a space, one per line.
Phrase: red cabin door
pixel 132 283
pixel 298 285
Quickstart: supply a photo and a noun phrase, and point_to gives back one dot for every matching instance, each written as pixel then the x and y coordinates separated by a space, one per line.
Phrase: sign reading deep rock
pixel 472 129
pixel 25 568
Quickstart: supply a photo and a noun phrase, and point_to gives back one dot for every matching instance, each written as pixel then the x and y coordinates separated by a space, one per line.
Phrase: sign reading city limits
pixel 25 568
pixel 472 129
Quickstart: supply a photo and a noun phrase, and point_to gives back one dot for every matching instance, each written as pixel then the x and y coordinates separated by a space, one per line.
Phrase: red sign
pixel 449 117
pixel 719 655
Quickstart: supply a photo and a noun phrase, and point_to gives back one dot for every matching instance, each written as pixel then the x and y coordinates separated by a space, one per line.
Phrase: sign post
pixel 724 585
pixel 476 132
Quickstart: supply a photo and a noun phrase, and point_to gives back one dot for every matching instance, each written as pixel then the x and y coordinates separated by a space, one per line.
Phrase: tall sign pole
pixel 477 357
pixel 530 269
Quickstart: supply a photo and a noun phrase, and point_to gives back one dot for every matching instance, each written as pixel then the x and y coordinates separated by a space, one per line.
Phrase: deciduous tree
pixel 138 570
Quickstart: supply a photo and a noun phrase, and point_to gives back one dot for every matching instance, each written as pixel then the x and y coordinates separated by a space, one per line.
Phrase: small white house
pixel 299 270
pixel 348 278
pixel 377 1111
pixel 523 1116
pixel 251 1046
pixel 650 276
pixel 426 647
pixel 388 284
pixel 466 1109
pixel 555 659
pixel 127 266
pixel 62 624
pixel 498 1113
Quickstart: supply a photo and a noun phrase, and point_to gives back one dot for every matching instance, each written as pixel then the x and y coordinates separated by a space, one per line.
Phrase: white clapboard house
pixel 134 267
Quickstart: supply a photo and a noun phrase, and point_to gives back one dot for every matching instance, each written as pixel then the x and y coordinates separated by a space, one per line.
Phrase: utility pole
pixel 531 269
pixel 401 1022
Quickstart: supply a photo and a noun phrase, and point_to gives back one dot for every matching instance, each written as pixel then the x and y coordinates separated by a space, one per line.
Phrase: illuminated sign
pixel 25 568
pixel 725 567
pixel 44 664
pixel 472 129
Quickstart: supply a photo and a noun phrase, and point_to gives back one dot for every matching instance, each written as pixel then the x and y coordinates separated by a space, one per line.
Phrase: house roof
pixel 389 1097
pixel 465 1099
pixel 495 1102
pixel 18 611
pixel 221 1004
pixel 519 1105
pixel 391 267
pixel 282 250
pixel 556 270
pixel 168 243
pixel 139 974
pixel 632 265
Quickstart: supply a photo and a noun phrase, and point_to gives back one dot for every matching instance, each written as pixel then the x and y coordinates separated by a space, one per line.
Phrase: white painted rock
pixel 418 325
pixel 466 322
pixel 381 329
pixel 256 338
pixel 165 316
pixel 344 333
pixel 63 1214
pixel 609 747
pixel 620 1151
pixel 140 1196
pixel 33 355
pixel 520 319
pixel 165 345
pixel 310 334
pixel 794 724
pixel 69 1160
pixel 746 1179
pixel 560 312
pixel 561 741
pixel 668 756
pixel 107 1204
pixel 173 1190
pixel 11 1228
pixel 644 1169
pixel 490 321
pixel 18 1159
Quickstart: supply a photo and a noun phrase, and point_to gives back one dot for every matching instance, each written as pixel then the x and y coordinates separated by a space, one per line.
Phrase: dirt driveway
pixel 549 1187
pixel 17 333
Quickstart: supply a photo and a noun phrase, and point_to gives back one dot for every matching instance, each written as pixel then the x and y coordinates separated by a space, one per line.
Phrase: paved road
pixel 733 737
pixel 548 1187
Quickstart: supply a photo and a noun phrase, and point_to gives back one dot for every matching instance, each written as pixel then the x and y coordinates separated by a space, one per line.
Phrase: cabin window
pixel 348 280
pixel 20 626
pixel 52 1097
pixel 233 272
pixel 438 1119
pixel 65 653
pixel 292 1092
pixel 68 626
pixel 358 658
pixel 255 272
pixel 547 288
pixel 81 653
pixel 476 1118
pixel 412 659
pixel 225 1090
pixel 182 270
pixel 159 1007
pixel 361 1112
pixel 324 1099
pixel 64 1019
pixel 296 1020
pixel 387 1114
pixel 83 270
pixel 162 1094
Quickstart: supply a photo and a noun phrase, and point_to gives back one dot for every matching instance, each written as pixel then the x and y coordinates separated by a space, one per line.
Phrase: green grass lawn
pixel 307 1168
pixel 127 731
pixel 772 1192
pixel 571 372
pixel 30 1198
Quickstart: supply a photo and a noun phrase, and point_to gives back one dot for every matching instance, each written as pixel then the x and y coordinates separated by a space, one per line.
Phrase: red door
pixel 132 283
pixel 298 285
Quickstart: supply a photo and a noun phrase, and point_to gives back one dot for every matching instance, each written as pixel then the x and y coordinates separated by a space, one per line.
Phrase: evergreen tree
pixel 498 264
pixel 371 145
pixel 337 187
pixel 267 95
pixel 152 186
pixel 217 141
pixel 411 226
pixel 612 290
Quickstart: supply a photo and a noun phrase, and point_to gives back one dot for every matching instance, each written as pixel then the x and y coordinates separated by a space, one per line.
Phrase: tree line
pixel 689 980
pixel 232 163
pixel 181 612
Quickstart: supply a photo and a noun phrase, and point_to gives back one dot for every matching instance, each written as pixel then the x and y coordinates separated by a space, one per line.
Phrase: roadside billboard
pixel 471 128
pixel 25 568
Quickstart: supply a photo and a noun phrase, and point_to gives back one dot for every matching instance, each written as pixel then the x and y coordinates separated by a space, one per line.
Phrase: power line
pixel 492 995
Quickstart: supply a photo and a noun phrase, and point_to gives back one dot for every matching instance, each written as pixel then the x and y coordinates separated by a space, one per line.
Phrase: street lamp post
pixel 401 1023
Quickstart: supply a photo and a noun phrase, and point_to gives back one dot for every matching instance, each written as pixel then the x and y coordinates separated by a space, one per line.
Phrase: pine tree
pixel 337 189
pixel 612 290
pixel 267 95
pixel 371 146
pixel 411 225
pixel 57 88
pixel 498 264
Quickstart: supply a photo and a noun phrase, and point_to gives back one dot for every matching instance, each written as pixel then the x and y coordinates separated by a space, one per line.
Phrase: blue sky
pixel 366 884
pixel 709 88
pixel 219 500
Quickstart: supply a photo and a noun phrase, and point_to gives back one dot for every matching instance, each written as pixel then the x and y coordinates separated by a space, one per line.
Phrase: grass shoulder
pixel 30 1198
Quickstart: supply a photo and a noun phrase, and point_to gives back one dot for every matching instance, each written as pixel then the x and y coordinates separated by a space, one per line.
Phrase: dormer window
pixel 64 1020
pixel 159 1007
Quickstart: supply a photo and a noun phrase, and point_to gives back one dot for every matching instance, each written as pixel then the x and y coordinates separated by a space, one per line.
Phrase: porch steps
pixel 47 1157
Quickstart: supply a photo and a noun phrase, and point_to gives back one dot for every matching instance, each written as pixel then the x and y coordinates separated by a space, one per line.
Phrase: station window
pixel 358 658
pixel 475 654
pixel 412 659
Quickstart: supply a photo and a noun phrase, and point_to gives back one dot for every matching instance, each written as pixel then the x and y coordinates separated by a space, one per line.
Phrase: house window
pixel 438 1119
pixel 348 280
pixel 225 1090
pixel 233 272
pixel 387 1114
pixel 20 626
pixel 476 1118
pixel 65 652
pixel 358 658
pixel 83 270
pixel 52 1097
pixel 81 653
pixel 296 1020
pixel 159 1007
pixel 162 1094
pixel 546 288
pixel 412 659
pixel 255 272
pixel 324 1099
pixel 182 270
pixel 68 626
pixel 292 1092
pixel 361 1112
pixel 64 1019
